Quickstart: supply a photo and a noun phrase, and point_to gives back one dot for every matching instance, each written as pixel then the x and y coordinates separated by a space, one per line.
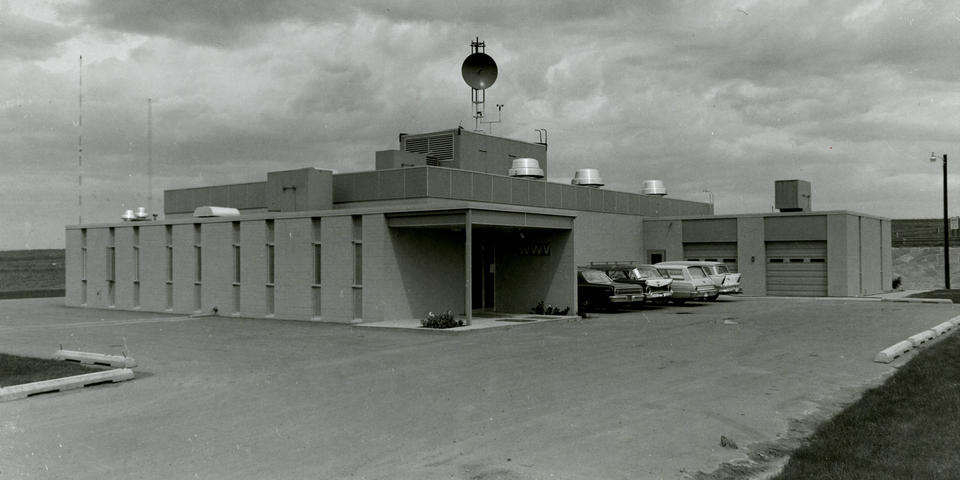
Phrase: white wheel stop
pixel 66 383
pixel 88 358
pixel 922 337
pixel 893 352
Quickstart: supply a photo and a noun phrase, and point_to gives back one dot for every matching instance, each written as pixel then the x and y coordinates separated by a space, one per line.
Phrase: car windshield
pixel 697 272
pixel 718 269
pixel 674 273
pixel 617 275
pixel 595 276
pixel 642 273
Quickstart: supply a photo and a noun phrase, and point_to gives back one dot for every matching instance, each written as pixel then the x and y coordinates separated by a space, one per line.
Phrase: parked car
pixel 596 290
pixel 656 285
pixel 690 282
pixel 726 281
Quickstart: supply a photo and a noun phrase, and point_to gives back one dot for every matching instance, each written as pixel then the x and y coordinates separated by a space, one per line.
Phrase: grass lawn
pixel 15 370
pixel 952 295
pixel 909 427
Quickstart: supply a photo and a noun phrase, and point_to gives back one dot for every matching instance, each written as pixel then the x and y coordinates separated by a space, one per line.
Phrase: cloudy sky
pixel 723 96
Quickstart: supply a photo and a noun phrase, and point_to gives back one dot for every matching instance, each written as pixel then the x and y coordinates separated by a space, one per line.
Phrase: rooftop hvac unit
pixel 587 177
pixel 654 187
pixel 526 167
pixel 215 212
pixel 135 216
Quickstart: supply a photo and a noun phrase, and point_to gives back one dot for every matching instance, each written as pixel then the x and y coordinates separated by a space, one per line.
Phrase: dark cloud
pixel 28 39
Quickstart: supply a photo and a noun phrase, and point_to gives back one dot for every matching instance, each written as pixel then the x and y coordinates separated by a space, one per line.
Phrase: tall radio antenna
pixel 149 154
pixel 80 145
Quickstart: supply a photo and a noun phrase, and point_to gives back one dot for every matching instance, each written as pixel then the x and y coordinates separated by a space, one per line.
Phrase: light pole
pixel 946 224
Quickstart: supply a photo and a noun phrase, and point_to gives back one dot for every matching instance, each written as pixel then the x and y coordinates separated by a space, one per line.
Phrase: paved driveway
pixel 642 394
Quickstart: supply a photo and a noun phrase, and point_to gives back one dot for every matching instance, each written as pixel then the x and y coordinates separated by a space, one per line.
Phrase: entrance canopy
pixel 511 258
pixel 481 217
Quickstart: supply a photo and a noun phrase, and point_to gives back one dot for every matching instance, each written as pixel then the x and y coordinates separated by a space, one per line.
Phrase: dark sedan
pixel 595 290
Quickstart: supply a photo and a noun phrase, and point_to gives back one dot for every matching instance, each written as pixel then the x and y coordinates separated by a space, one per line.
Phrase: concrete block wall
pixel 337 282
pixel 520 278
pixel 374 267
pixel 602 237
pixel 124 286
pixel 216 242
pixel 73 268
pixel 294 268
pixel 871 259
pixel 253 268
pixel 432 271
pixel 663 235
pixel 184 269
pixel 751 257
pixel 153 268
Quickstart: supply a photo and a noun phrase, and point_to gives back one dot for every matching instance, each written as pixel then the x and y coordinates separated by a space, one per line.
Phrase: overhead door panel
pixel 797 269
pixel 725 252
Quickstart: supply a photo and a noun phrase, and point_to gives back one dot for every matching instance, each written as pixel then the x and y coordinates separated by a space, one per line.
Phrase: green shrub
pixel 540 309
pixel 441 320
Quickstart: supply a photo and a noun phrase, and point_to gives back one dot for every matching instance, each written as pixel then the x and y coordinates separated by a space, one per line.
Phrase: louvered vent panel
pixel 441 146
pixel 416 145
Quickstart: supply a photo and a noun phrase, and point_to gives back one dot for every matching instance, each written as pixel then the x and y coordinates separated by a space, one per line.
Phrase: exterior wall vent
pixel 654 187
pixel 437 146
pixel 216 212
pixel 587 177
pixel 526 167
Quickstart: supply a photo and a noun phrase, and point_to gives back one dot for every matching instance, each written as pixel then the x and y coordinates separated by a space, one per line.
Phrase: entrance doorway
pixel 656 256
pixel 484 273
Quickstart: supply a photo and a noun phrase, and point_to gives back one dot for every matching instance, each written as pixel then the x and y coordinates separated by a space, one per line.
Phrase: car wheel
pixel 714 298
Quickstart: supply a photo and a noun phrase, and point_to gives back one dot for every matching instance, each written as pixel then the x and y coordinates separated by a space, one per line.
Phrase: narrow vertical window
pixel 136 267
pixel 111 267
pixel 198 273
pixel 197 247
pixel 317 267
pixel 236 268
pixel 357 266
pixel 168 238
pixel 271 266
pixel 83 266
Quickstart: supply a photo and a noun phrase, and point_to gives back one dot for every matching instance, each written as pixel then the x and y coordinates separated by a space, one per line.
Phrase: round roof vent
pixel 128 215
pixel 653 187
pixel 587 177
pixel 526 167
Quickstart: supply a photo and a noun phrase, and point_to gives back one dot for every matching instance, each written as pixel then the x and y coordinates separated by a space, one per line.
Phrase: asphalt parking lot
pixel 636 394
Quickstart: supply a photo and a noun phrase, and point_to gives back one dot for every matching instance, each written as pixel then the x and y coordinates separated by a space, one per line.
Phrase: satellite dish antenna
pixel 479 71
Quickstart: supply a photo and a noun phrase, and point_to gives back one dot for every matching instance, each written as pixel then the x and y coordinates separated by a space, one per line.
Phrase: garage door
pixel 725 252
pixel 797 269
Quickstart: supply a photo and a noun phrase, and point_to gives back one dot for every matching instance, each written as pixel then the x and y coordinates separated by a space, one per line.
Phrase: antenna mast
pixel 479 71
pixel 149 155
pixel 80 145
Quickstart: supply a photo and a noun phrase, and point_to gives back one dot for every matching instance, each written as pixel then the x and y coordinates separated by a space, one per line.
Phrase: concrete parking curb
pixel 916 300
pixel 894 351
pixel 942 328
pixel 88 358
pixel 66 383
pixel 922 337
